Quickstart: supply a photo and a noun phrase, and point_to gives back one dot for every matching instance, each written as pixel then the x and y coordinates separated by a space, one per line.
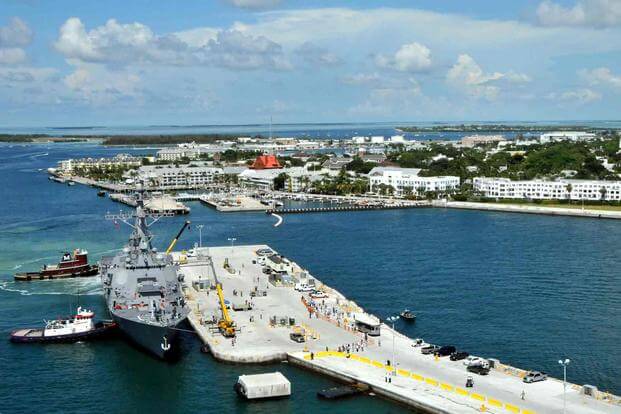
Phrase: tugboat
pixel 71 265
pixel 141 287
pixel 77 328
pixel 408 315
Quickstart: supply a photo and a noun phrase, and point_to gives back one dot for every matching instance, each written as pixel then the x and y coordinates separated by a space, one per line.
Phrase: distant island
pixel 120 140
pixel 167 139
pixel 26 138
pixel 483 128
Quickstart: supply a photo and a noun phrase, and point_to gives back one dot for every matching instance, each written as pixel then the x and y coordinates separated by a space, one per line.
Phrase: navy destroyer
pixel 141 286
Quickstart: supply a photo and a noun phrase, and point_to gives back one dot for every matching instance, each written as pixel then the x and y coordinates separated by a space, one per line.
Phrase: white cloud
pixel 95 85
pixel 26 74
pixel 411 57
pixel 392 97
pixel 361 79
pixel 12 56
pixel 594 13
pixel 16 33
pixel 254 4
pixel 467 76
pixel 577 96
pixel 13 37
pixel 235 50
pixel 136 43
pixel 316 55
pixel 602 76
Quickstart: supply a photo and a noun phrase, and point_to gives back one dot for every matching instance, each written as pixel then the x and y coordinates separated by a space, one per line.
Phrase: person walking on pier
pixel 523 395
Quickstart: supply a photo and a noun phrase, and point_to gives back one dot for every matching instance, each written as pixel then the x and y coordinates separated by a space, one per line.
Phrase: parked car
pixel 317 294
pixel 535 376
pixel 429 349
pixel 458 355
pixel 478 369
pixel 297 337
pixel 446 350
pixel 303 287
pixel 475 361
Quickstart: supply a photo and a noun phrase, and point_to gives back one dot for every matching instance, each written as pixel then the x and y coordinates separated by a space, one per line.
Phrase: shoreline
pixel 529 209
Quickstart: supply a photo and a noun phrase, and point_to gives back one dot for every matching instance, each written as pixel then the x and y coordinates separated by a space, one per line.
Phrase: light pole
pixel 564 363
pixel 200 234
pixel 232 240
pixel 392 320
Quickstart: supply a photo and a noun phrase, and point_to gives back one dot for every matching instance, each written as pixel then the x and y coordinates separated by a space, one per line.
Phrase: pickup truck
pixel 431 349
pixel 535 376
pixel 478 369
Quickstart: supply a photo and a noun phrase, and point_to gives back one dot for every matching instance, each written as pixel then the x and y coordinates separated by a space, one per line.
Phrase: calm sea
pixel 525 289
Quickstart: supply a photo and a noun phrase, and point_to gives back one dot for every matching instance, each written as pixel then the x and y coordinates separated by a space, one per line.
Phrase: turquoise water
pixel 525 289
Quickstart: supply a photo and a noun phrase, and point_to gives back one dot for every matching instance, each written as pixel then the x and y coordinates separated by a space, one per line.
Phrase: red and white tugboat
pixel 71 265
pixel 77 328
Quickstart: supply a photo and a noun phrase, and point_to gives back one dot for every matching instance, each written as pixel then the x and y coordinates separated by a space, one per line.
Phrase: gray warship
pixel 141 287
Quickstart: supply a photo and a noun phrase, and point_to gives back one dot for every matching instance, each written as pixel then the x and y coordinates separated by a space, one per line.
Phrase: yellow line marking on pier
pixel 477 396
pixel 403 372
pixel 418 377
pixel 431 381
pixel 494 402
pixel 447 387
pixel 512 408
pixel 461 391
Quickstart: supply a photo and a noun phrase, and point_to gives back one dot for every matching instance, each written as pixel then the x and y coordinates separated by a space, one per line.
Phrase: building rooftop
pixel 264 162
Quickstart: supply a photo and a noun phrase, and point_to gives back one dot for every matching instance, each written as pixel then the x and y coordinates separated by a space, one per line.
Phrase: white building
pixel 177 153
pixel 397 139
pixel 171 177
pixel 298 178
pixel 359 140
pixel 378 139
pixel 67 166
pixel 407 179
pixel 548 190
pixel 566 136
pixel 472 140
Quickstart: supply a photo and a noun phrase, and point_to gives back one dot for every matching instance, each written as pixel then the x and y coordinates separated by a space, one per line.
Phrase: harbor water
pixel 525 289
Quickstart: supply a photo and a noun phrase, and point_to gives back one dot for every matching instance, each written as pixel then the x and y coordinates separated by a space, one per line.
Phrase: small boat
pixel 71 183
pixel 75 265
pixel 408 315
pixel 101 193
pixel 77 328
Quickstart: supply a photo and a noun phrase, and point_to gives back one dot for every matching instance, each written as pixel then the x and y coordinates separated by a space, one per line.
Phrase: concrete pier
pixel 156 204
pixel 390 364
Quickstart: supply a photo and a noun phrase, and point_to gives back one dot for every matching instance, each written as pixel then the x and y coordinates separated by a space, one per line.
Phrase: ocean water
pixel 314 131
pixel 525 289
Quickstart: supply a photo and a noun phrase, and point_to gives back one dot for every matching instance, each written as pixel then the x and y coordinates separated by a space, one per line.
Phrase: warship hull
pixel 150 337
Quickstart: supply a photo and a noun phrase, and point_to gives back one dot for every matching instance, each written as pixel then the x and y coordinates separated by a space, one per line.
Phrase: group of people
pixel 355 347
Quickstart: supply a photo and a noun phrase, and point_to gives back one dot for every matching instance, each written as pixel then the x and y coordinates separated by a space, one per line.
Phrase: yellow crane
pixel 226 324
pixel 174 241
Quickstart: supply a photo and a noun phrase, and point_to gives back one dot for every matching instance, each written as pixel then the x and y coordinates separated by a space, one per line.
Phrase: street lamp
pixel 392 320
pixel 200 234
pixel 232 240
pixel 564 363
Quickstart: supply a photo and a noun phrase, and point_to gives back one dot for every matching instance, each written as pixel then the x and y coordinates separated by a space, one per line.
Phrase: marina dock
pixel 266 310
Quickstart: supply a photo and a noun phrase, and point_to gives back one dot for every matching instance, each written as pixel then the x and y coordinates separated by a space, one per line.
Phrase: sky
pixel 198 62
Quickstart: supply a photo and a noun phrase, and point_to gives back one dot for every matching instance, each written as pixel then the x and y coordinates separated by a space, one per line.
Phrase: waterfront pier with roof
pixel 268 313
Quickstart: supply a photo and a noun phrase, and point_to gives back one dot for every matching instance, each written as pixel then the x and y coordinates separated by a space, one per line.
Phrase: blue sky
pixel 242 61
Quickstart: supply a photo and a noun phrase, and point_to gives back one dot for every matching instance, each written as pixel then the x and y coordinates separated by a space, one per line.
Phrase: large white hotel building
pixel 407 178
pixel 548 190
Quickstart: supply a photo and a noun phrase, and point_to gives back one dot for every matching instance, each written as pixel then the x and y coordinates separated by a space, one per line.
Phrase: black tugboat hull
pixel 90 270
pixel 35 335
pixel 150 337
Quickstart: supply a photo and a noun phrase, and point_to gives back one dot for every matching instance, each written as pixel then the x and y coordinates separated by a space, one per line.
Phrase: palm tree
pixel 603 192
pixel 568 188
